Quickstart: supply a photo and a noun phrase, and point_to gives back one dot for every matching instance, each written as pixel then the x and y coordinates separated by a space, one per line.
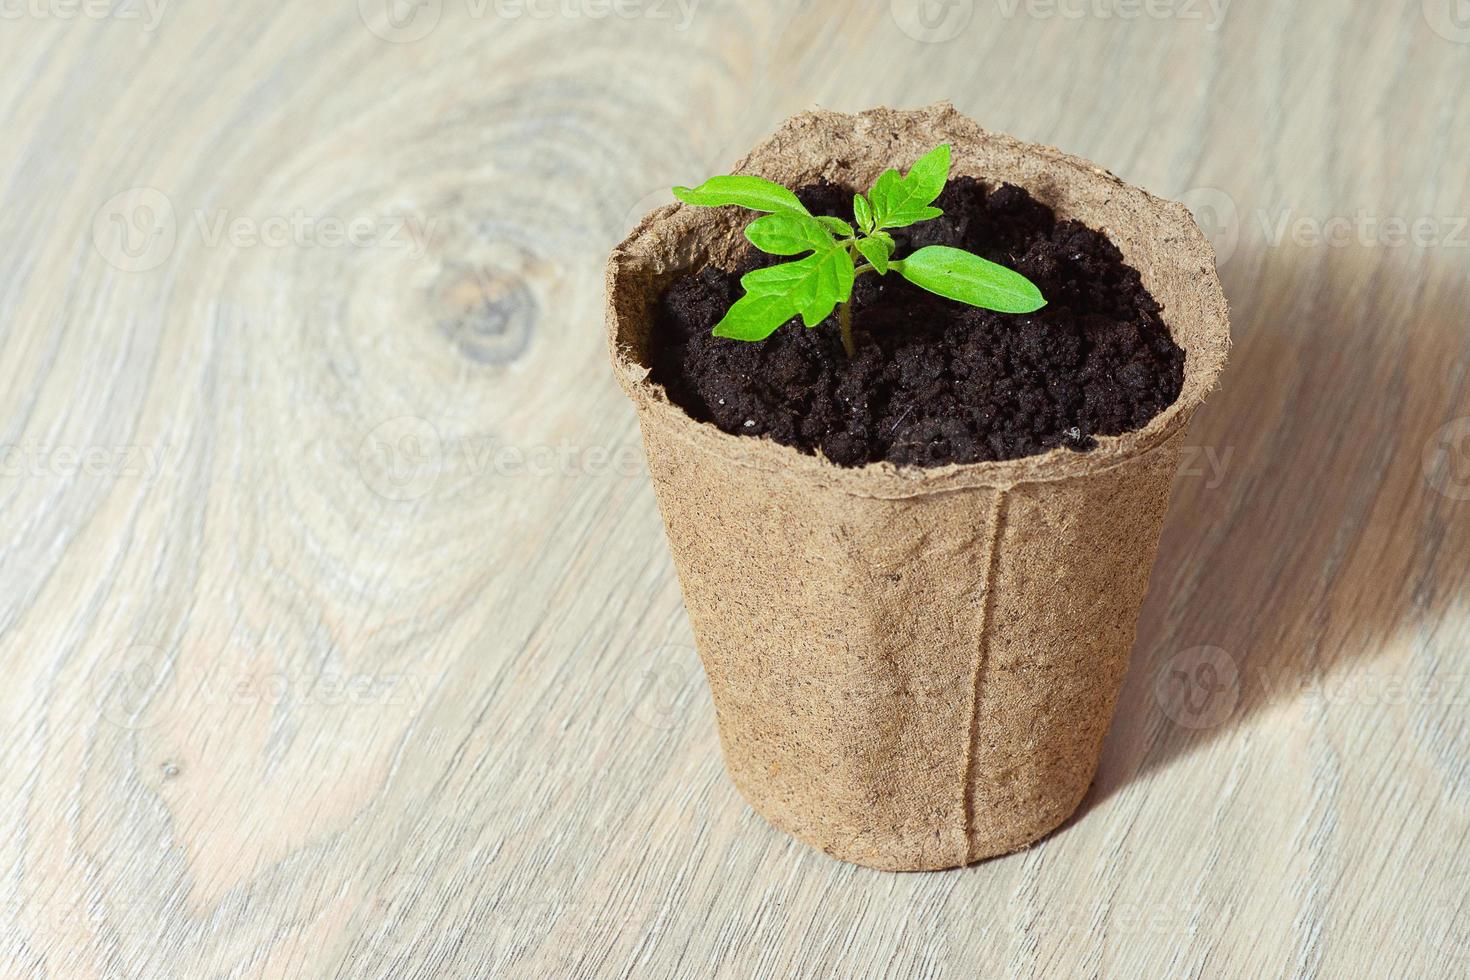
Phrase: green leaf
pixel 901 201
pixel 863 212
pixel 813 285
pixel 902 219
pixel 927 176
pixel 958 275
pixel 755 316
pixel 788 233
pixel 885 188
pixel 876 251
pixel 742 190
pixel 837 225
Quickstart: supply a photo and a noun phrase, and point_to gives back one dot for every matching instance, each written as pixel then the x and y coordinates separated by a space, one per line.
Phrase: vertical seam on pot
pixel 982 661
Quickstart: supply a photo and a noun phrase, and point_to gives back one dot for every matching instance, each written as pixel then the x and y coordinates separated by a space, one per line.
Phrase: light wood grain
pixel 309 673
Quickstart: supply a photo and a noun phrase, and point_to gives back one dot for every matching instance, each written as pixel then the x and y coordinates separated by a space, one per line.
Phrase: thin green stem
pixel 844 309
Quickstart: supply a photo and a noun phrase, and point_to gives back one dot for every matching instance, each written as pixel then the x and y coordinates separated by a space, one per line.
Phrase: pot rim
pixel 1159 238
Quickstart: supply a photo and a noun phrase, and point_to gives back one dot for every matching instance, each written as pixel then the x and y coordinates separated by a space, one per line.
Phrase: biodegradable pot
pixel 914 668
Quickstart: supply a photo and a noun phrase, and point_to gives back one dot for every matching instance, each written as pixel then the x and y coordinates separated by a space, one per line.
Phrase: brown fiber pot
pixel 914 668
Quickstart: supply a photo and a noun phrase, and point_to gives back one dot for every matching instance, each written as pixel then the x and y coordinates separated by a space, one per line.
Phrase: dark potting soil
pixel 935 381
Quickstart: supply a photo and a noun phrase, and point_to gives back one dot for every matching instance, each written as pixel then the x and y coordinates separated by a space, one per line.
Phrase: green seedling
pixel 813 286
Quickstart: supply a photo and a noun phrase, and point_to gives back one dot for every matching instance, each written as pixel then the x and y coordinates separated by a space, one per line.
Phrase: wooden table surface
pixel 339 630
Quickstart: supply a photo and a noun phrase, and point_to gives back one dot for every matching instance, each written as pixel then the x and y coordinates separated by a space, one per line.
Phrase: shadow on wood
pixel 1312 545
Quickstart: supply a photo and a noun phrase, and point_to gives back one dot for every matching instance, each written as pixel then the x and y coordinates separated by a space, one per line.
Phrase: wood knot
pixel 488 314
